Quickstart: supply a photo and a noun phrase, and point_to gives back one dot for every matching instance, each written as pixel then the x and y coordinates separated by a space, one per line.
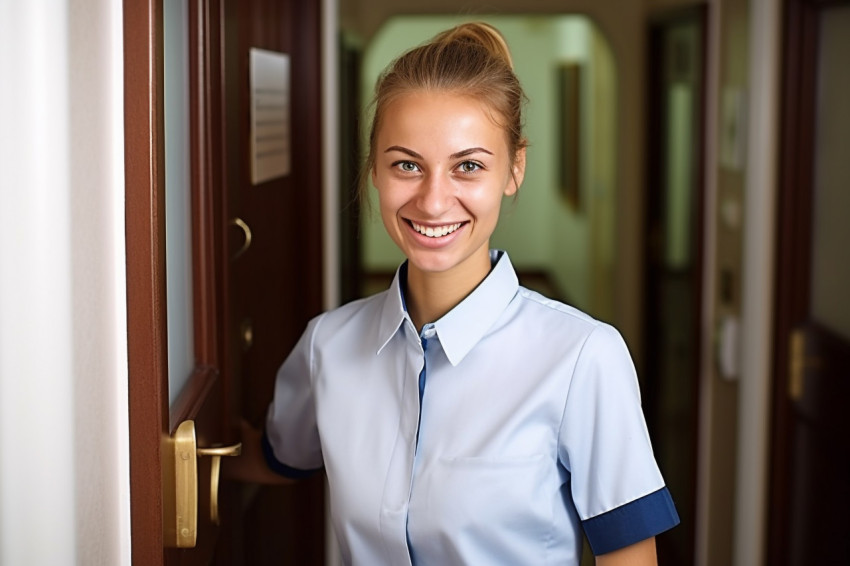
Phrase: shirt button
pixel 429 332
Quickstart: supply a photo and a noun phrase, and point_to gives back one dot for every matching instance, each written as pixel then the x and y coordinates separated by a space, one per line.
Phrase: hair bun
pixel 481 33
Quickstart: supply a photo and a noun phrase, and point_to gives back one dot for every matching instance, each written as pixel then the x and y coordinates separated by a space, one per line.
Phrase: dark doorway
pixel 674 219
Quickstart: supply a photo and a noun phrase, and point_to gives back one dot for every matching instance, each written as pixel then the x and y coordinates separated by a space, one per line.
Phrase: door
pixel 810 489
pixel 250 273
pixel 275 284
pixel 163 392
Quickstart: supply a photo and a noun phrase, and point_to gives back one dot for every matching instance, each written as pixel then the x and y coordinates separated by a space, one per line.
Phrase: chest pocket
pixel 484 510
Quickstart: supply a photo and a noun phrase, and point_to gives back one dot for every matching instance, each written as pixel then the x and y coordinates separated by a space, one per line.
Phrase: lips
pixel 435 231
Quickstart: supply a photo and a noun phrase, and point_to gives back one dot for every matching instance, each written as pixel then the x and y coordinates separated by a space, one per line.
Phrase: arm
pixel 639 554
pixel 606 446
pixel 251 465
pixel 291 412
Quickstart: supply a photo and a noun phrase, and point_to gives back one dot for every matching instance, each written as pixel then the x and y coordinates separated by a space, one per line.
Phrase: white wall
pixel 64 493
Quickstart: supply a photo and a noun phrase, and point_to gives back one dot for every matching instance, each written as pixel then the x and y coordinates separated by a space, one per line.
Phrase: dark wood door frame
pixel 794 242
pixel 151 418
pixel 144 166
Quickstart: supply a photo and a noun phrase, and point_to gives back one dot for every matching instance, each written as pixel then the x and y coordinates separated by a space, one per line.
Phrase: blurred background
pixel 686 182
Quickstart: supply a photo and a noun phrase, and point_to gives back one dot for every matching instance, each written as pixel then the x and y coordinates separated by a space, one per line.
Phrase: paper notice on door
pixel 271 155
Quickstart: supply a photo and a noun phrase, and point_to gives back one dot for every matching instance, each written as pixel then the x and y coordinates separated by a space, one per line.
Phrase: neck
pixel 430 295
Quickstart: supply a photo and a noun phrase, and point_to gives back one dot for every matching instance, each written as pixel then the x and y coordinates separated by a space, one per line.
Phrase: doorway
pixel 673 260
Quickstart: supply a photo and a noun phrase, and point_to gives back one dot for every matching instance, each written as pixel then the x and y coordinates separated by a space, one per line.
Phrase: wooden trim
pixel 793 246
pixel 307 66
pixel 192 397
pixel 145 240
pixel 206 155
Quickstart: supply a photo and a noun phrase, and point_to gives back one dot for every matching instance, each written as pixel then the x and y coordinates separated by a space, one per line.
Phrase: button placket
pixel 397 489
pixel 428 332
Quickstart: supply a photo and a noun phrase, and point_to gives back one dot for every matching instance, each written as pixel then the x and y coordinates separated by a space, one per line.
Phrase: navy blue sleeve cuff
pixel 279 467
pixel 631 523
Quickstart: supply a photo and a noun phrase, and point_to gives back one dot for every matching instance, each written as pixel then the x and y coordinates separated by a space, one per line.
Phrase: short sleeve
pixel 615 483
pixel 291 438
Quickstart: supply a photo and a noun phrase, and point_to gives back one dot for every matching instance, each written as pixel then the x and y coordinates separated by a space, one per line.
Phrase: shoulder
pixel 532 300
pixel 357 308
pixel 567 324
pixel 544 310
pixel 353 317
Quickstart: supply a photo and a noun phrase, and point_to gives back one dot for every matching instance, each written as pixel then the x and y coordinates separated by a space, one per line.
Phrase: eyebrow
pixel 409 152
pixel 470 151
pixel 457 155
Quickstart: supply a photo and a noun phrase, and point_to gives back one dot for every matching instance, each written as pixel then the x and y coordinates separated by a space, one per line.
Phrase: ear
pixel 372 174
pixel 517 173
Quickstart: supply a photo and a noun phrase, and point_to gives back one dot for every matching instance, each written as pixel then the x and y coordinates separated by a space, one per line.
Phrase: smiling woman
pixel 386 393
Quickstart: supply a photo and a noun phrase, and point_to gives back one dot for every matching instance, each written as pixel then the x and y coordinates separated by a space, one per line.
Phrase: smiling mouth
pixel 435 231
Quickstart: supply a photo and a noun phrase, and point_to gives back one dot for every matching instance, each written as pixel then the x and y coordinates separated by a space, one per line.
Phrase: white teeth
pixel 437 232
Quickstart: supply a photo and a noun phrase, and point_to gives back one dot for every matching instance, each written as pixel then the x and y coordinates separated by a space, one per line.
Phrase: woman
pixel 463 419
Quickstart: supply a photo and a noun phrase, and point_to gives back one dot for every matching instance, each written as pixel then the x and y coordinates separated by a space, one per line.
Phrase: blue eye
pixel 407 166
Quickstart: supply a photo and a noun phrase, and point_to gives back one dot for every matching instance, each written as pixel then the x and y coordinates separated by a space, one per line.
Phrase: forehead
pixel 439 117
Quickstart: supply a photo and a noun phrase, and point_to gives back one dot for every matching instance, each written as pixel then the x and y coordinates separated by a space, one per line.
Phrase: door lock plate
pixel 183 532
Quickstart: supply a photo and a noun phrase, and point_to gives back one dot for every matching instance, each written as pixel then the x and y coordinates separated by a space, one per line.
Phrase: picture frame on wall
pixel 568 84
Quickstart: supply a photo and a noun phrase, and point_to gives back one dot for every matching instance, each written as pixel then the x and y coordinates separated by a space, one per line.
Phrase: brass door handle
pixel 246 231
pixel 215 473
pixel 186 454
pixel 799 362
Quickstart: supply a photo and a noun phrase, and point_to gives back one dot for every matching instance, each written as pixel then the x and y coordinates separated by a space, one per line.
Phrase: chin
pixel 431 264
pixel 438 261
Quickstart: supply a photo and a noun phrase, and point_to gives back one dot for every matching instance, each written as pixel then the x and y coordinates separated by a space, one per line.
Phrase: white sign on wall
pixel 271 155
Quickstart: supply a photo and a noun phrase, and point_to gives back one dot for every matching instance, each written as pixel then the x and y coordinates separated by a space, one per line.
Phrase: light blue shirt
pixel 530 429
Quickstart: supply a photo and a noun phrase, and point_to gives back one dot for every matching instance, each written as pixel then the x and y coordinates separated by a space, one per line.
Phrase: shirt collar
pixel 466 324
pixel 394 311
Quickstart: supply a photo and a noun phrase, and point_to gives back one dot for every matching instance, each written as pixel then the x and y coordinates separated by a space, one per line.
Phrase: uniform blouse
pixel 508 425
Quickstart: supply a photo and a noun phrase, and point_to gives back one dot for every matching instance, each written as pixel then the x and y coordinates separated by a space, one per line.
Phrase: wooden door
pixel 247 311
pixel 157 405
pixel 276 284
pixel 810 489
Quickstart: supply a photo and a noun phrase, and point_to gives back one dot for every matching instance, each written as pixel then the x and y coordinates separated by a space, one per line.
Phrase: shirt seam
pixel 312 363
pixel 567 398
pixel 557 306
pixel 572 380
pixel 641 495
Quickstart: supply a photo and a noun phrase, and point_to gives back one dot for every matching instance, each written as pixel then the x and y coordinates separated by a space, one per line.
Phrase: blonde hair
pixel 472 59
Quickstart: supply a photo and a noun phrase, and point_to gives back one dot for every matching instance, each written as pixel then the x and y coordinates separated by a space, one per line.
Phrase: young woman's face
pixel 441 169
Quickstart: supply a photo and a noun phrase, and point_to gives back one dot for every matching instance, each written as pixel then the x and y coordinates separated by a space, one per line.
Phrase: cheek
pixel 392 194
pixel 386 199
pixel 389 205
pixel 487 200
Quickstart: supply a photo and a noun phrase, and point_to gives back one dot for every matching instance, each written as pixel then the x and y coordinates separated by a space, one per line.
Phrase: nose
pixel 436 195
